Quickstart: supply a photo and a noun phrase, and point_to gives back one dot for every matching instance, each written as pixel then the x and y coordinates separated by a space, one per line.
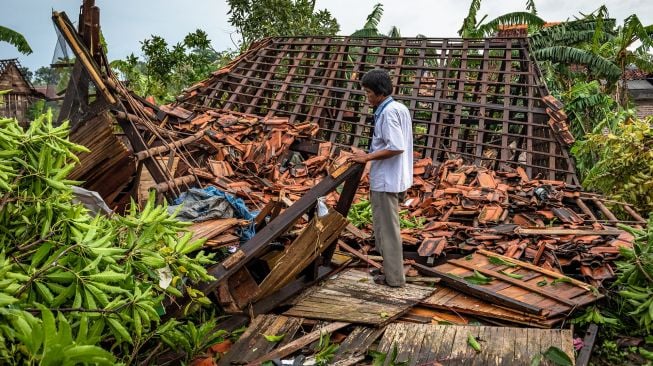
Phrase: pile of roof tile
pixel 461 207
pixel 250 156
pixel 467 207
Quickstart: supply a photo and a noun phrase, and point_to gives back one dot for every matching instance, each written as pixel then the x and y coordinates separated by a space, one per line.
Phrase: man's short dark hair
pixel 378 81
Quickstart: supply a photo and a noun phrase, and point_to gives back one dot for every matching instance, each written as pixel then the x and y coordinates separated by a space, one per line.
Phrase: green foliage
pixel 623 168
pixel 478 278
pixel 588 108
pixel 325 350
pixel 530 6
pixel 191 338
pixel 257 19
pixel 593 315
pixel 379 358
pixel 576 56
pixel 371 27
pixel 15 39
pixel 469 26
pixel 635 277
pixel 274 338
pixel 519 17
pixel 166 70
pixel 473 29
pixel 360 214
pixel 104 277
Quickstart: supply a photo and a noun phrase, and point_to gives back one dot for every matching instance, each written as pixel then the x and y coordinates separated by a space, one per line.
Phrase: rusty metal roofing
pixel 475 98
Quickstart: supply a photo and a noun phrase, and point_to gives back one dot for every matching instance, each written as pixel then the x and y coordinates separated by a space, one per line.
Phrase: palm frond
pixel 635 30
pixel 374 17
pixel 15 39
pixel 469 23
pixel 520 17
pixel 394 32
pixel 530 6
pixel 574 32
pixel 367 33
pixel 643 64
pixel 574 56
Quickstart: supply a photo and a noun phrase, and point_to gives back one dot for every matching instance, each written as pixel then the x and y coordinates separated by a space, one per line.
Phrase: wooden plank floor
pixel 354 347
pixel 252 344
pixel 353 297
pixel 424 344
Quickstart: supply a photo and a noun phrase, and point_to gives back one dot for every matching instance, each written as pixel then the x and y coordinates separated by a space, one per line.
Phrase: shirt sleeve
pixel 391 133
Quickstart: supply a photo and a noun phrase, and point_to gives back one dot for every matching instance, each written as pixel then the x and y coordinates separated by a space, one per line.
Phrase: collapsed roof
pixel 480 99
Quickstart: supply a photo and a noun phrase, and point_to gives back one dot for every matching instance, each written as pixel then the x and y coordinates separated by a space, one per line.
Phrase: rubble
pixel 495 214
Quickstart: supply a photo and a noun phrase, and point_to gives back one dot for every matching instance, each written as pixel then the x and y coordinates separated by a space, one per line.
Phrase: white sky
pixel 126 23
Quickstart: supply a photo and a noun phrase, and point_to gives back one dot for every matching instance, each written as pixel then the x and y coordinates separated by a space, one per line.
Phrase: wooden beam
pixel 478 291
pixel 513 281
pixel 588 343
pixel 359 255
pixel 271 231
pixel 81 52
pixel 559 231
pixel 177 182
pixel 142 155
pixel 299 343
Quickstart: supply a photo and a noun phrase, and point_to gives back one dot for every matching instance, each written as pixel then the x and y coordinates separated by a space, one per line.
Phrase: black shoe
pixel 376 271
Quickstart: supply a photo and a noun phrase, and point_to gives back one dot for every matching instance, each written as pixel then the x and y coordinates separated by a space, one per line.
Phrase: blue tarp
pixel 208 203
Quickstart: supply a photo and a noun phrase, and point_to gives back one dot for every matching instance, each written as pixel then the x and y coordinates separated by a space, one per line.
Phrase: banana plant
pixel 105 277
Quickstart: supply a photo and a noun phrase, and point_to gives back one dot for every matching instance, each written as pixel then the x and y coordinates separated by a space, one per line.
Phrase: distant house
pixel 640 89
pixel 21 94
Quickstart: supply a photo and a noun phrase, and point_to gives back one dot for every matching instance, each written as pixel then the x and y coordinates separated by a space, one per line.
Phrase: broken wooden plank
pixel 588 343
pixel 298 343
pixel 359 255
pixel 520 281
pixel 480 292
pixel 352 297
pixel 445 298
pixel 252 344
pixel 425 344
pixel 314 239
pixel 356 345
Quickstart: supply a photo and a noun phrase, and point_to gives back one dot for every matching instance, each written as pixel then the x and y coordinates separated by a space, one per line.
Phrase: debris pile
pixel 509 241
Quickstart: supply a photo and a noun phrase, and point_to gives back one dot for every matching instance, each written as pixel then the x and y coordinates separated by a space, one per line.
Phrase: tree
pixel 371 26
pixel 15 39
pixel 257 19
pixel 165 70
pixel 46 76
pixel 619 49
pixel 473 29
pixel 27 73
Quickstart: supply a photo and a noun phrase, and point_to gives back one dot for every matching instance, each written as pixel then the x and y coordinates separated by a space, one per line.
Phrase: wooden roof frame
pixel 479 99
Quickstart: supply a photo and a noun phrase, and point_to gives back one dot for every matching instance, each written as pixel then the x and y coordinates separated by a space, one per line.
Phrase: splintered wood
pixel 452 300
pixel 352 297
pixel 252 344
pixel 316 237
pixel 422 344
pixel 516 285
pixel 108 167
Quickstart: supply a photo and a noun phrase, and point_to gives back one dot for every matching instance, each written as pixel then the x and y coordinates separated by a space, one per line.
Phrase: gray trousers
pixel 387 236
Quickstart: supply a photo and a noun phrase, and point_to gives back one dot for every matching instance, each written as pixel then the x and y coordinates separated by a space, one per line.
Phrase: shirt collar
pixel 381 107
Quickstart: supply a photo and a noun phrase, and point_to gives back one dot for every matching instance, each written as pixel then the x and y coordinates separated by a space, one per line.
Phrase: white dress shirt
pixel 392 131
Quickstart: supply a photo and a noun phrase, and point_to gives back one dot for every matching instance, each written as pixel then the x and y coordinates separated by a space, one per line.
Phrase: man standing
pixel 391 171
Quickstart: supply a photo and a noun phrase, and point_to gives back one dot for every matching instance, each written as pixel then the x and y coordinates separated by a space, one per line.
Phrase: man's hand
pixel 359 158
